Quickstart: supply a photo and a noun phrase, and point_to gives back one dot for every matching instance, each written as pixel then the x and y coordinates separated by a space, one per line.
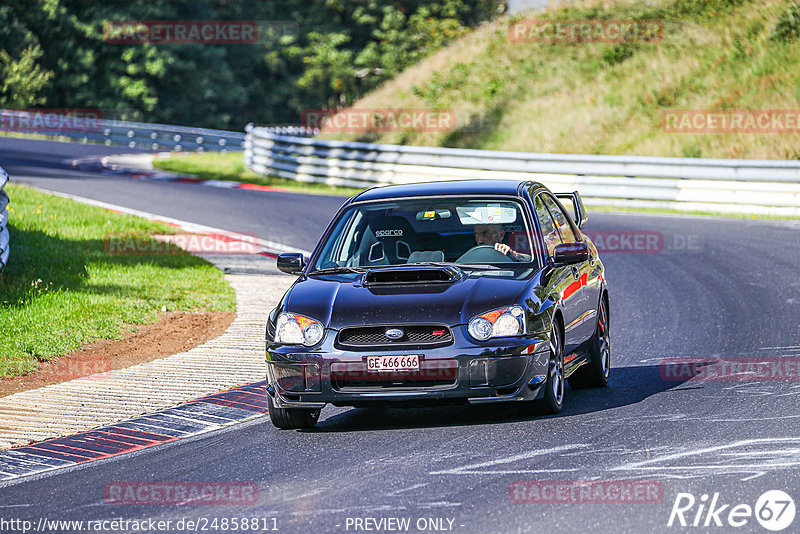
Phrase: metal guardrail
pixel 140 135
pixel 5 238
pixel 718 185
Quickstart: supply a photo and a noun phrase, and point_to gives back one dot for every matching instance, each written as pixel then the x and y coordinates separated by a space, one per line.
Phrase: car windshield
pixel 462 231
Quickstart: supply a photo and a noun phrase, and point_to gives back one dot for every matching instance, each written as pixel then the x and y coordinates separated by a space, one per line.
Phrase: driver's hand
pixel 502 247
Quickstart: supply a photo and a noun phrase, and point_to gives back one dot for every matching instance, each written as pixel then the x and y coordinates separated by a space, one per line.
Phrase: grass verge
pixel 230 166
pixel 610 98
pixel 704 213
pixel 37 137
pixel 62 288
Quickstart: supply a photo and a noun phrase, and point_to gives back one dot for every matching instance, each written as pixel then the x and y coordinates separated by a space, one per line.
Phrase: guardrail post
pixel 5 237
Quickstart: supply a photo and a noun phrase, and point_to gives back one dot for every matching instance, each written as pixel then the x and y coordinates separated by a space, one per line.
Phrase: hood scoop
pixel 412 274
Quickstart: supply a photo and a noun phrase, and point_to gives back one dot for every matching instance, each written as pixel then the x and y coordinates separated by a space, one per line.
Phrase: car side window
pixel 562 220
pixel 549 231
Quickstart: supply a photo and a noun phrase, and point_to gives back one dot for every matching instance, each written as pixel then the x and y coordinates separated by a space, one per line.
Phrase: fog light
pixel 479 373
pixel 312 377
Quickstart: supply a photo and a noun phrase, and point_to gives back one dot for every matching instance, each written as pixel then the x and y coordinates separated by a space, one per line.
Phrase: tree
pixel 53 53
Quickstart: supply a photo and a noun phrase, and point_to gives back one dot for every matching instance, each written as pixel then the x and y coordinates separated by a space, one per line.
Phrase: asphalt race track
pixel 713 289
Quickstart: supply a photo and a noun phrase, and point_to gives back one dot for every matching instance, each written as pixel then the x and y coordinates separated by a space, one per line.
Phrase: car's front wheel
pixel 553 400
pixel 595 373
pixel 292 418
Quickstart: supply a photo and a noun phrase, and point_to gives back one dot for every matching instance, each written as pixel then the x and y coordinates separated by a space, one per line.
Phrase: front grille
pixel 375 336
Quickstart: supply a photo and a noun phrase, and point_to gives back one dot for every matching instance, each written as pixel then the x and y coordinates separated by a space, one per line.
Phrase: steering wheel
pixel 483 254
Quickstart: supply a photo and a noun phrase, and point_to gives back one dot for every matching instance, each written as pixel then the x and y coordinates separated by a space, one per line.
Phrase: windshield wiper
pixel 479 266
pixel 459 265
pixel 435 263
pixel 337 270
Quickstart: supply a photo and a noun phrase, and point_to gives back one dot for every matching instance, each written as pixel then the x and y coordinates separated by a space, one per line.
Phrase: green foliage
pixel 618 53
pixel 53 54
pixel 692 151
pixel 442 82
pixel 704 8
pixel 787 30
pixel 22 78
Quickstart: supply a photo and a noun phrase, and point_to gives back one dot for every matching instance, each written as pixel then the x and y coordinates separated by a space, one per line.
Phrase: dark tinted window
pixel 423 230
pixel 562 220
pixel 549 232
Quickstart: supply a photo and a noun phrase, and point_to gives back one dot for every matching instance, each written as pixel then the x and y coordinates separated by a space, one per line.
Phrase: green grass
pixel 705 213
pixel 61 288
pixel 230 166
pixel 40 137
pixel 607 98
pixel 49 137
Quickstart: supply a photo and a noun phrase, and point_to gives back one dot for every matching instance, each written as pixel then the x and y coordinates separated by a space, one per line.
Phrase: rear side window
pixel 561 218
pixel 549 231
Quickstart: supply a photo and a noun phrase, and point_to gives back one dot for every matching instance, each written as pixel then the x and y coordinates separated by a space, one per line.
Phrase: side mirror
pixel 291 262
pixel 570 254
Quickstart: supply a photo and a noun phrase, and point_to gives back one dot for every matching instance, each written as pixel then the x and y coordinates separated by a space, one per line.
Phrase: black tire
pixel 292 418
pixel 595 373
pixel 553 400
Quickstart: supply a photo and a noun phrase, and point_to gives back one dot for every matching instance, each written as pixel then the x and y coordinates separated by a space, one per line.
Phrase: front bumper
pixel 504 369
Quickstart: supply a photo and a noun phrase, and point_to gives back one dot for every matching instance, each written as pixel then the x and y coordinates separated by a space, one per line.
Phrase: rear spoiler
pixel 572 201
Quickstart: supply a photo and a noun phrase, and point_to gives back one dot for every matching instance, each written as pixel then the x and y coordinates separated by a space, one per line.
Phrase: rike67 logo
pixel 774 510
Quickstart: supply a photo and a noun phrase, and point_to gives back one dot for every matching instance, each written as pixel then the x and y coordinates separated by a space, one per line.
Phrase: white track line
pixel 271 247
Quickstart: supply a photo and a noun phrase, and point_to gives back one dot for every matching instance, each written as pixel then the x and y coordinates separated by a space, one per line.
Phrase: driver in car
pixel 492 235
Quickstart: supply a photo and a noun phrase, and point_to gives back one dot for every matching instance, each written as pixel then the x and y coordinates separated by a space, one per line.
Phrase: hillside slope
pixel 609 98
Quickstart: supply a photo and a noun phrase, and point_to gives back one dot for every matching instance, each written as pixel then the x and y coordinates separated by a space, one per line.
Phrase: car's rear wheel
pixel 595 373
pixel 292 418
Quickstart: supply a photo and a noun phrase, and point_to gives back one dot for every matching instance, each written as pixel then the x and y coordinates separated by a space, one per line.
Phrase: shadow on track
pixel 629 385
pixel 64 262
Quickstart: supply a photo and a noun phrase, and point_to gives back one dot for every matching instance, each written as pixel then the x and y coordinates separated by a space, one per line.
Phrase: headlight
pixel 502 322
pixel 293 329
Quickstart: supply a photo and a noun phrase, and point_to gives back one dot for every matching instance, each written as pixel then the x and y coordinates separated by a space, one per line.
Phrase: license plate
pixel 384 364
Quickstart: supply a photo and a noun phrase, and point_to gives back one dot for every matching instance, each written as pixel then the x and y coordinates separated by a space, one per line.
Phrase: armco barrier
pixel 5 238
pixel 718 185
pixel 140 135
